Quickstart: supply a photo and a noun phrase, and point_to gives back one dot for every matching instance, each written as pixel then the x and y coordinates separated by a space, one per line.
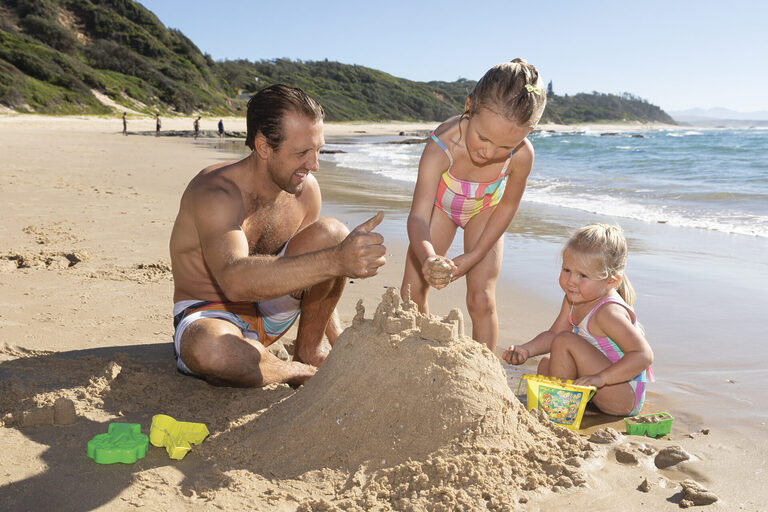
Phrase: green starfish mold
pixel 123 442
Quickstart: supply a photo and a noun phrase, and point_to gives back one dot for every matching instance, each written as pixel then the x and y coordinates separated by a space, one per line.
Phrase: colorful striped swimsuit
pixel 612 351
pixel 461 200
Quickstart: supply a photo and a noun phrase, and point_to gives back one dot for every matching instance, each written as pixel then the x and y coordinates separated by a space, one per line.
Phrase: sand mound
pixel 412 408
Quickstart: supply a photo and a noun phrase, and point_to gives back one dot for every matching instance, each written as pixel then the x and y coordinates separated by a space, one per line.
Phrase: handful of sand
pixel 440 272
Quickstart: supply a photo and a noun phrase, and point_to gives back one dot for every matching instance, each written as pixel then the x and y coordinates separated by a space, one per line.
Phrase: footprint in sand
pixel 43 260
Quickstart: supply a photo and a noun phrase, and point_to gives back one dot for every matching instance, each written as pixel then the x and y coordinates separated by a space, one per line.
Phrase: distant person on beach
pixel 250 253
pixel 158 124
pixel 125 125
pixel 596 338
pixel 197 127
pixel 221 128
pixel 472 175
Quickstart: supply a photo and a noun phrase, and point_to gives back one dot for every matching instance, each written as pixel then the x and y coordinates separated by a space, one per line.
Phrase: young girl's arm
pixel 614 321
pixel 502 214
pixel 433 162
pixel 518 354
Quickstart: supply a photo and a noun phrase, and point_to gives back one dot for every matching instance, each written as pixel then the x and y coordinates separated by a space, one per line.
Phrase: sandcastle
pixel 408 404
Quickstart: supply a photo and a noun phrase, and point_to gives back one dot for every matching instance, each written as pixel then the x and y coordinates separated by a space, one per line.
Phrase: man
pixel 196 125
pixel 221 128
pixel 125 125
pixel 249 252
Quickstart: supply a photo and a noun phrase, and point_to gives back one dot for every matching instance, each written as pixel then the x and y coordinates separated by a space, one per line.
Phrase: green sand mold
pixel 176 436
pixel 656 424
pixel 123 442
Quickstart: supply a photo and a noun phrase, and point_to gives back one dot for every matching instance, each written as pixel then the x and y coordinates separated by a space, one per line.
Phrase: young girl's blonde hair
pixel 512 90
pixel 609 245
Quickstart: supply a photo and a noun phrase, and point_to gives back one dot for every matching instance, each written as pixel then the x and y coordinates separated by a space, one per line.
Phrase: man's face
pixel 298 154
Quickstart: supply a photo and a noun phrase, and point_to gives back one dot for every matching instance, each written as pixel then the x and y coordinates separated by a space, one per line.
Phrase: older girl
pixel 472 175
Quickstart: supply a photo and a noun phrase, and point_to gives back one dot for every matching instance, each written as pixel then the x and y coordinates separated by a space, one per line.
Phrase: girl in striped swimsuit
pixel 596 338
pixel 472 175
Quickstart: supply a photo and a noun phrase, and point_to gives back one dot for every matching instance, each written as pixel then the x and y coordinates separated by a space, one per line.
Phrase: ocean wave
pixel 735 222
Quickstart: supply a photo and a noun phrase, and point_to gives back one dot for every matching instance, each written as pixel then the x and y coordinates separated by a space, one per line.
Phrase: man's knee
pixel 202 355
pixel 324 232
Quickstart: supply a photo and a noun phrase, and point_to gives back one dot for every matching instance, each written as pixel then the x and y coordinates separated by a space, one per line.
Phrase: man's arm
pixel 218 213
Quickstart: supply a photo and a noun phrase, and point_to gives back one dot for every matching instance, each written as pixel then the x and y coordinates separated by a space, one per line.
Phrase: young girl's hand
pixel 515 355
pixel 464 264
pixel 590 380
pixel 437 271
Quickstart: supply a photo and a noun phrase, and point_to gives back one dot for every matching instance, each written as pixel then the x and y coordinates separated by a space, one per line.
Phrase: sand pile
pixel 407 410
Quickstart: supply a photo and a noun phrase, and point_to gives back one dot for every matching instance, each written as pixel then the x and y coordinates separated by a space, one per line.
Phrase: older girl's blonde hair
pixel 513 90
pixel 607 243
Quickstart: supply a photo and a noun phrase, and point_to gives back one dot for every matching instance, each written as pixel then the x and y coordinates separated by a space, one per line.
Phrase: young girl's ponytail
pixel 626 291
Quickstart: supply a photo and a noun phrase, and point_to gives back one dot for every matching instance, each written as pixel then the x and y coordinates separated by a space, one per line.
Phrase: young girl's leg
pixel 481 284
pixel 441 230
pixel 572 356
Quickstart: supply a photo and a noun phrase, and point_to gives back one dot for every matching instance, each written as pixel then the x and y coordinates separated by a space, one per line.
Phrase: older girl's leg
pixel 441 230
pixel 481 282
pixel 571 356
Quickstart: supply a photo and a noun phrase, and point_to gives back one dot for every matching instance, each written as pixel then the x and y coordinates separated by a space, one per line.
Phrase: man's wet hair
pixel 268 107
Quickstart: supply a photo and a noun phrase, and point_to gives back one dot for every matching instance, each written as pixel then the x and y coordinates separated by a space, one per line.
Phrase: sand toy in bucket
pixel 561 399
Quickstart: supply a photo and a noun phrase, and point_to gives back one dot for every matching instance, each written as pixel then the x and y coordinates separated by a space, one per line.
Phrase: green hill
pixel 55 53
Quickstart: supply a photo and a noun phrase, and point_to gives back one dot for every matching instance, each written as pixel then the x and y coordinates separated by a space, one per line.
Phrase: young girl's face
pixel 581 278
pixel 491 138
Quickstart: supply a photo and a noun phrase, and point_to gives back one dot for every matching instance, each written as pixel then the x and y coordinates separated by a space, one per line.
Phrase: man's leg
pixel 216 350
pixel 318 306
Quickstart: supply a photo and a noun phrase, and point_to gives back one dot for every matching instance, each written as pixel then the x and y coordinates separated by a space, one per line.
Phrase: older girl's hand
pixel 437 271
pixel 464 264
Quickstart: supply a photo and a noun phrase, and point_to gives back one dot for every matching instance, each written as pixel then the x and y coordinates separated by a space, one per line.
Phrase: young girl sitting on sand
pixel 596 339
pixel 472 175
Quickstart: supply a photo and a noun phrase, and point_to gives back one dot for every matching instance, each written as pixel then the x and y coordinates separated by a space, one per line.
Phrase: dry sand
pixel 406 414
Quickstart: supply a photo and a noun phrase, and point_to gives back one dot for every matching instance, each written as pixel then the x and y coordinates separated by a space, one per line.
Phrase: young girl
pixel 596 339
pixel 472 175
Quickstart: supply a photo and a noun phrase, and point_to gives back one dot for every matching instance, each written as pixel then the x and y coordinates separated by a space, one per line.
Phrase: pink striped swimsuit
pixel 612 351
pixel 461 200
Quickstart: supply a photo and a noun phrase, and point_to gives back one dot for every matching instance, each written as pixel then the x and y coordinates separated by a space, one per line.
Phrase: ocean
pixel 707 179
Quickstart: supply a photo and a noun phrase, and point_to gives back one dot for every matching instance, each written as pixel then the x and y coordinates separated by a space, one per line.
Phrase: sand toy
pixel 123 442
pixel 561 399
pixel 656 424
pixel 175 436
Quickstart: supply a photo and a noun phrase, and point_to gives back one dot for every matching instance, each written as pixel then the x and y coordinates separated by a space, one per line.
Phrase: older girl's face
pixel 491 138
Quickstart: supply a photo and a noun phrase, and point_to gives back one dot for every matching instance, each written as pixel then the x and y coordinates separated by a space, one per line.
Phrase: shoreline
pixel 107 124
pixel 81 190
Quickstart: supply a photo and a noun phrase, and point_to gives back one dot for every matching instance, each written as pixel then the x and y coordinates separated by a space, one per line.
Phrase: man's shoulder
pixel 215 181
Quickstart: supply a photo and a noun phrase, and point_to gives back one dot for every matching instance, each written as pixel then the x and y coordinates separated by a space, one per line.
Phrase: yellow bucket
pixel 562 400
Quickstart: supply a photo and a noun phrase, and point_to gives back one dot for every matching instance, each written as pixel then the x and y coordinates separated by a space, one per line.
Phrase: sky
pixel 677 54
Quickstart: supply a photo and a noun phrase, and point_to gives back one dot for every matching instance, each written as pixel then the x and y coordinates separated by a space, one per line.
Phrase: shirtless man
pixel 249 252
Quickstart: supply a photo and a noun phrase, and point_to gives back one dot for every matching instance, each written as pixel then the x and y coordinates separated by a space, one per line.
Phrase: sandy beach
pixel 407 414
